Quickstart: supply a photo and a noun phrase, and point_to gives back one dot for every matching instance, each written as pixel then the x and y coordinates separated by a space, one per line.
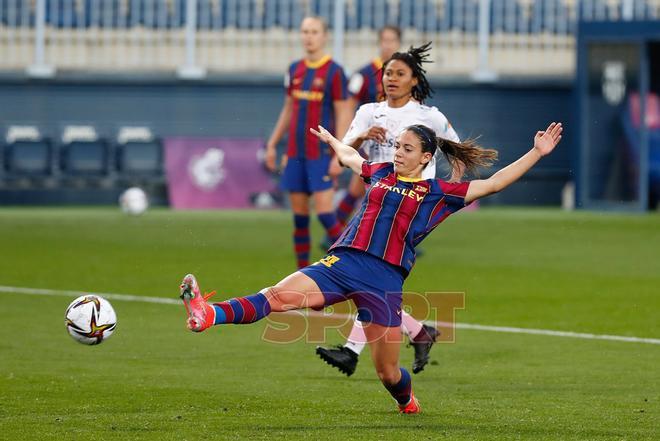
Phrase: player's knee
pixel 388 374
pixel 283 299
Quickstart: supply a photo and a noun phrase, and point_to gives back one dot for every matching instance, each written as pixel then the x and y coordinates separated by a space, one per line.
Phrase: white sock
pixel 357 340
pixel 410 326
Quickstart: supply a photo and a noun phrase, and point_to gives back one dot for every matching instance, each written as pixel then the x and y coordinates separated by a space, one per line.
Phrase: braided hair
pixel 414 58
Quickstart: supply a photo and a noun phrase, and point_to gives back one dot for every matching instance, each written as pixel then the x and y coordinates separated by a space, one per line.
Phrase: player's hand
pixel 546 141
pixel 271 156
pixel 283 162
pixel 335 168
pixel 323 134
pixel 375 133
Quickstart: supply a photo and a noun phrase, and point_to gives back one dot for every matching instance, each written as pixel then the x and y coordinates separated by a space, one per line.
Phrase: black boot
pixel 422 344
pixel 341 357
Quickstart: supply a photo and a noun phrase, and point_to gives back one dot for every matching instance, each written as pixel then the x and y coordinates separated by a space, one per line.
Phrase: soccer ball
pixel 134 201
pixel 90 319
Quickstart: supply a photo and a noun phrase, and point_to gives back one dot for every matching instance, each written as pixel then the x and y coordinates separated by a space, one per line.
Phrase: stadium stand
pixel 250 39
pixel 526 37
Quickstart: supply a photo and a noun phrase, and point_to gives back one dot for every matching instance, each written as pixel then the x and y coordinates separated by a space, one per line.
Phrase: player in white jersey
pixel 392 120
pixel 374 129
pixel 366 86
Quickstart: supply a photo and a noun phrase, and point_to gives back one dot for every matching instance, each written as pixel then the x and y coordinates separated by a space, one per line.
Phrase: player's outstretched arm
pixel 544 144
pixel 347 155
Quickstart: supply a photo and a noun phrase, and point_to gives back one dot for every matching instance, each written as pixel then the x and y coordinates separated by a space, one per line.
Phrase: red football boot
pixel 201 315
pixel 412 406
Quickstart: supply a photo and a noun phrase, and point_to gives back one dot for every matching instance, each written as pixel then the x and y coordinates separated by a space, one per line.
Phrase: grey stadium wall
pixel 505 115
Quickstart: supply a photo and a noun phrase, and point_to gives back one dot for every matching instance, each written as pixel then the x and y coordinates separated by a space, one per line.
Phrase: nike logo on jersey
pixel 379 116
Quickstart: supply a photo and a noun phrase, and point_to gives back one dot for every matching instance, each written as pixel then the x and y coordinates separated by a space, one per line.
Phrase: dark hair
pixel 393 28
pixel 467 152
pixel 414 58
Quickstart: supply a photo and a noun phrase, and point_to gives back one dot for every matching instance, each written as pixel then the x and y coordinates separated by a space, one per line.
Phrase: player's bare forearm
pixel 544 143
pixel 346 154
pixel 503 178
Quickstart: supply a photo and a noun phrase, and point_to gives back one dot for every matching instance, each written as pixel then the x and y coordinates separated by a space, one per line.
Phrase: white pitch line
pixel 107 295
pixel 173 301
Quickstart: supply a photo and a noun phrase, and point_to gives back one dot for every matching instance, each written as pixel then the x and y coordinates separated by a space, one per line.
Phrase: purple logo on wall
pixel 214 172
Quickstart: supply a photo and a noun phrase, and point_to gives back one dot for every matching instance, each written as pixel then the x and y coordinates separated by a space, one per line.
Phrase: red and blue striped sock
pixel 402 390
pixel 301 239
pixel 242 310
pixel 331 225
pixel 345 209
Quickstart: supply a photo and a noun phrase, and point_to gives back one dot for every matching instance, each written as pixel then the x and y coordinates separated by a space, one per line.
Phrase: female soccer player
pixel 315 94
pixel 375 253
pixel 366 86
pixel 374 130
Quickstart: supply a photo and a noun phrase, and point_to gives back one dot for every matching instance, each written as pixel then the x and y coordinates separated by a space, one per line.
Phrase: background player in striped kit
pixel 366 86
pixel 374 129
pixel 315 94
pixel 375 253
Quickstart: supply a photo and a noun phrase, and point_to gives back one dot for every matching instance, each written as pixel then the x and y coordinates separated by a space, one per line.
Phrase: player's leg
pixel 294 180
pixel 301 237
pixel 327 217
pixel 345 358
pixel 346 206
pixel 421 338
pixel 294 292
pixel 320 185
pixel 385 344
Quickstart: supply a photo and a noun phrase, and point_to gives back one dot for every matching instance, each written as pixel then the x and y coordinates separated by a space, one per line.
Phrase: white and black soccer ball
pixel 134 201
pixel 90 319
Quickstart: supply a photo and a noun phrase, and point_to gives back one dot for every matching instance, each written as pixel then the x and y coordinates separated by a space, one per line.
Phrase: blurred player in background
pixel 365 86
pixel 316 94
pixel 374 130
pixel 376 252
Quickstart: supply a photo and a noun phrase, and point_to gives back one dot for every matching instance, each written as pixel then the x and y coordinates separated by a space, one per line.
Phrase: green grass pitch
pixel 154 380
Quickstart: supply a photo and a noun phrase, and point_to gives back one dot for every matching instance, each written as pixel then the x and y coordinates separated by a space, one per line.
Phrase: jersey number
pixel 329 260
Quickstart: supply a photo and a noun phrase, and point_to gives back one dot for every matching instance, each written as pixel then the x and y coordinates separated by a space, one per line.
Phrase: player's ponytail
pixel 467 152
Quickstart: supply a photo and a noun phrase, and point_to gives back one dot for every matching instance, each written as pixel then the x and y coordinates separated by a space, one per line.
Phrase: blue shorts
pixel 306 175
pixel 374 285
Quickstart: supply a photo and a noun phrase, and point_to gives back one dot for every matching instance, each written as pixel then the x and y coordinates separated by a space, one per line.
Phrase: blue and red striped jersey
pixel 314 87
pixel 366 85
pixel 398 213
